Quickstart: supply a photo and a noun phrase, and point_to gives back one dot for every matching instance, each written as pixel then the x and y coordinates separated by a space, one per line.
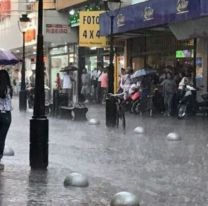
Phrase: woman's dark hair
pixel 5 84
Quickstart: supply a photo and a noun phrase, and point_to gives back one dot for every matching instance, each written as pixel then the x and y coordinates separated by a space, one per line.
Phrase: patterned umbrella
pixel 142 72
pixel 7 57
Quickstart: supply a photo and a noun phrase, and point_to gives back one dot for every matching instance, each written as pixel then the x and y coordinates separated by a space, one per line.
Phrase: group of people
pixel 94 85
pixel 169 86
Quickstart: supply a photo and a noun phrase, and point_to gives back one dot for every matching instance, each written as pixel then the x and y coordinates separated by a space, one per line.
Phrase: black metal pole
pixel 23 93
pixel 110 103
pixel 145 50
pixel 39 122
pixel 194 71
pixel 111 66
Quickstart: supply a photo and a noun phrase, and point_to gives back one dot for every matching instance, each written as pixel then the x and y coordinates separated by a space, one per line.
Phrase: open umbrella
pixel 7 57
pixel 69 68
pixel 142 72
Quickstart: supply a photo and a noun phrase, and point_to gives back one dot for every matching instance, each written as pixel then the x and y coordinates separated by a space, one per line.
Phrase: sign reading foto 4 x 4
pixel 89 30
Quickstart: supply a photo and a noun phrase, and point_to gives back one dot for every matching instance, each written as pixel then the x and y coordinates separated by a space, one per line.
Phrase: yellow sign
pixel 89 30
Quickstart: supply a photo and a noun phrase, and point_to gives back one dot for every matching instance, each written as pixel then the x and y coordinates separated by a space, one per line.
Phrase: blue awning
pixel 153 13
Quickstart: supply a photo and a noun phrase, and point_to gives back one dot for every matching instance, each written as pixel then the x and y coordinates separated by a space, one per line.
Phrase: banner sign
pixel 89 30
pixel 152 14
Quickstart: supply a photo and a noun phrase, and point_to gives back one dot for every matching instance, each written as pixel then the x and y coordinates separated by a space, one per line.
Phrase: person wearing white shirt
pixel 67 86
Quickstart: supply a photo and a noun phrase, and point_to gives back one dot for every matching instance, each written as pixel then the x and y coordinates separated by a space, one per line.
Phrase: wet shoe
pixel 1 166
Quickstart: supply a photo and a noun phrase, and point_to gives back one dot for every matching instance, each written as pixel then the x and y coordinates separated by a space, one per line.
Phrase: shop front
pixel 163 33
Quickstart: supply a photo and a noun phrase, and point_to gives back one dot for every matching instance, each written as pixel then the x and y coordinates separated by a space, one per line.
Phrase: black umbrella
pixel 69 68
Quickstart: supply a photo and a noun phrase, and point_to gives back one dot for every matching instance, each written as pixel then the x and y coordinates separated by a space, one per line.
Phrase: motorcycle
pixel 132 97
pixel 188 105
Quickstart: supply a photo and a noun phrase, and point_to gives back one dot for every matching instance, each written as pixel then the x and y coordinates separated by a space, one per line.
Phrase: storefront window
pixel 58 50
pixel 57 63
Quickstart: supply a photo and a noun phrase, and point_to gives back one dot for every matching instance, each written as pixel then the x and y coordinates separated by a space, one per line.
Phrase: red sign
pixel 56 28
pixel 5 9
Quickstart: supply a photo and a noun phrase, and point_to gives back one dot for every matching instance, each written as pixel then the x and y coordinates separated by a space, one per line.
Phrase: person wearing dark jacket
pixel 5 110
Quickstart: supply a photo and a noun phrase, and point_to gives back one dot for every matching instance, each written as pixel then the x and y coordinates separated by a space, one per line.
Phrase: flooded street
pixel 160 172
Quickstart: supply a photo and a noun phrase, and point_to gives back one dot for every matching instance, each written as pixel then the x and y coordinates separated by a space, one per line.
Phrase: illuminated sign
pixel 184 53
pixel 74 19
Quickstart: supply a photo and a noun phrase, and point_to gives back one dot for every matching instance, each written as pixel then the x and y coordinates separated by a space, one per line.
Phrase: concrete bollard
pixel 139 130
pixel 76 180
pixel 125 199
pixel 94 122
pixel 173 136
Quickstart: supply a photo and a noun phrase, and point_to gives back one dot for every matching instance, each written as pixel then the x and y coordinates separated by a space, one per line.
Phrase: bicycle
pixel 145 104
pixel 120 108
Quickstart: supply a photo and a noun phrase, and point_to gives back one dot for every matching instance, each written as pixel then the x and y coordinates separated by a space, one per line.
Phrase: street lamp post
pixel 23 22
pixel 110 7
pixel 39 122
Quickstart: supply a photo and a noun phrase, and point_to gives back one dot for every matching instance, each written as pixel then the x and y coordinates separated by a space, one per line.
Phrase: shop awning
pixel 154 13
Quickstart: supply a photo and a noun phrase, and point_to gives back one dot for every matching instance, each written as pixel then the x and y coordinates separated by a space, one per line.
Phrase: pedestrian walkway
pixel 160 172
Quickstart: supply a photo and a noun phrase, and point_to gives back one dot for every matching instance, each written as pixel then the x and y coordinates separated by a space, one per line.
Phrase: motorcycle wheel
pixel 182 111
pixel 137 107
pixel 133 105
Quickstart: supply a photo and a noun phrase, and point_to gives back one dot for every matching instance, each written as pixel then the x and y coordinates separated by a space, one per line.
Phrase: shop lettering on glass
pixel 182 6
pixel 89 29
pixel 91 20
pixel 5 9
pixel 56 28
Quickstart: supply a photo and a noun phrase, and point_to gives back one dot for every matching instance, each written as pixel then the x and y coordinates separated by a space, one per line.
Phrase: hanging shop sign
pixel 74 19
pixel 30 35
pixel 89 30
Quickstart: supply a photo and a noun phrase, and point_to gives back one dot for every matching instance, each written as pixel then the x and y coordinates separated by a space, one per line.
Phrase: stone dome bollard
pixel 94 122
pixel 76 180
pixel 8 151
pixel 173 136
pixel 125 199
pixel 139 130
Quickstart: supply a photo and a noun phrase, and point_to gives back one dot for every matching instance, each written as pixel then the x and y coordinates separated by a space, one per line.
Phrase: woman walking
pixel 5 109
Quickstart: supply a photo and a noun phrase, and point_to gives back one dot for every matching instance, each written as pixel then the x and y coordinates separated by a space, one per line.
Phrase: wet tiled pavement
pixel 160 172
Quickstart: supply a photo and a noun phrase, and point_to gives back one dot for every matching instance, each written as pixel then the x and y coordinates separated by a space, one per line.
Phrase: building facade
pixel 160 33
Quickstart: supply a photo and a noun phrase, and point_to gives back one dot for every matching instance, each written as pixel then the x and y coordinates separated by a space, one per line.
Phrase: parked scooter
pixel 188 104
pixel 132 97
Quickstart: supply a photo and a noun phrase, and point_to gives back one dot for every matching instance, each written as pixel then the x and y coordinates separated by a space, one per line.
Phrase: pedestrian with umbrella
pixel 5 109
